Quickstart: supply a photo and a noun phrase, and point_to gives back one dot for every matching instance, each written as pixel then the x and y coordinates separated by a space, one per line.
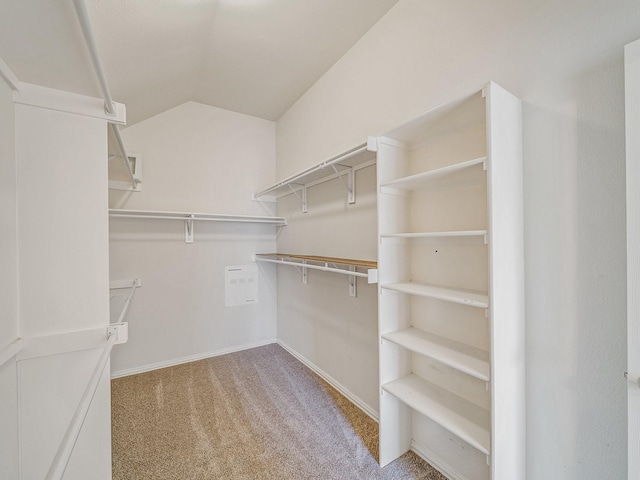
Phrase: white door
pixel 632 114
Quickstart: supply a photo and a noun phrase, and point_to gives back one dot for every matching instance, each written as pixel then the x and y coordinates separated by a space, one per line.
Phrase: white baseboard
pixel 331 381
pixel 436 461
pixel 191 358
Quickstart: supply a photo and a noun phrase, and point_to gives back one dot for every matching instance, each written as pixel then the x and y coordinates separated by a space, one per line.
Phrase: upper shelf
pixel 189 218
pixel 337 166
pixel 419 180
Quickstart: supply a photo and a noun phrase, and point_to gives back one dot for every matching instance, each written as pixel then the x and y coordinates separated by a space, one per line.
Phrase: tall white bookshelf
pixel 451 280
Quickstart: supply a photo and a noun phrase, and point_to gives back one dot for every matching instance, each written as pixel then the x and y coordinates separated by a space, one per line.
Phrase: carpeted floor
pixel 258 414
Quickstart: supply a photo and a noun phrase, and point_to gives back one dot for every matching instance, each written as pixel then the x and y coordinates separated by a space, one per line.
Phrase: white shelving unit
pixel 451 308
pixel 189 218
pixel 345 164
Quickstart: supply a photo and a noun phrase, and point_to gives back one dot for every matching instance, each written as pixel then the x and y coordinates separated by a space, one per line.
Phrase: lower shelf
pixel 462 418
pixel 455 295
pixel 466 359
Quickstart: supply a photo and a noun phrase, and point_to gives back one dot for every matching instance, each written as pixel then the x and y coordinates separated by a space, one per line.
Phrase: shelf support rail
pixel 109 105
pixel 65 449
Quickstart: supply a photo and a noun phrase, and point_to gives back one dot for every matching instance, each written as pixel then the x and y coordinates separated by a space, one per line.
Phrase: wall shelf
pixel 461 417
pixel 454 295
pixel 344 266
pixel 344 164
pixel 466 359
pixel 189 218
pixel 472 236
pixel 453 173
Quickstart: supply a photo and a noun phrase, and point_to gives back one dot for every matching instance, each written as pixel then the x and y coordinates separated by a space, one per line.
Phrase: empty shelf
pixel 469 360
pixel 211 217
pixel 454 295
pixel 416 181
pixel 479 234
pixel 462 418
pixel 356 156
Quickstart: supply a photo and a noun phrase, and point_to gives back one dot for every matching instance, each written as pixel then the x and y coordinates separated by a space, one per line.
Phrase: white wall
pixel 8 286
pixel 202 159
pixel 319 321
pixel 564 59
pixel 62 281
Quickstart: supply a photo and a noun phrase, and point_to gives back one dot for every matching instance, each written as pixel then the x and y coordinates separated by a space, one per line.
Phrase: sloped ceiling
pixel 250 56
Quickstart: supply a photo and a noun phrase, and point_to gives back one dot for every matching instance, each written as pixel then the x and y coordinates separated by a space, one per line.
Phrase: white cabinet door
pixel 632 107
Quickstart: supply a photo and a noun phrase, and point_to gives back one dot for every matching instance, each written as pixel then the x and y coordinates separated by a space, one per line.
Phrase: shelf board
pixel 351 158
pixel 462 418
pixel 465 297
pixel 211 217
pixel 478 235
pixel 418 180
pixel 469 360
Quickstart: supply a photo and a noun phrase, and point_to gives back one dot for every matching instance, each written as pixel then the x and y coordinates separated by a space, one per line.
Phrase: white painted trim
pixel 436 461
pixel 7 74
pixel 333 382
pixel 632 124
pixel 10 351
pixel 47 345
pixel 191 358
pixel 36 96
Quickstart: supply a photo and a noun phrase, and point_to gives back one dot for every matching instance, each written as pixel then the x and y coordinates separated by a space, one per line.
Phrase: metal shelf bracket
pixel 350 184
pixel 188 229
pixel 353 282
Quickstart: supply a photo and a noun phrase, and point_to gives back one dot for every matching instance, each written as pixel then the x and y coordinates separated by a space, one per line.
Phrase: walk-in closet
pixel 318 239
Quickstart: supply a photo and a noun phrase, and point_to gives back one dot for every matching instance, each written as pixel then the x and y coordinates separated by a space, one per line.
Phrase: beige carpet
pixel 256 414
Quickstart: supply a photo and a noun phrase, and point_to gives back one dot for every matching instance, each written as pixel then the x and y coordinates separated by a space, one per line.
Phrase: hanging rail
pixel 189 218
pixel 326 264
pixel 109 105
pixel 65 449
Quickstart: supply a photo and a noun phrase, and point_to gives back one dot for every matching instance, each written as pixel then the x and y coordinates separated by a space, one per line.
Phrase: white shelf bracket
pixel 188 229
pixel 351 184
pixel 353 282
pixel 304 199
pixel 304 273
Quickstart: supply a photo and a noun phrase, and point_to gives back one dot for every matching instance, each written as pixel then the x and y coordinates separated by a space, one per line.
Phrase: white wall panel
pixel 63 281
pixel 62 221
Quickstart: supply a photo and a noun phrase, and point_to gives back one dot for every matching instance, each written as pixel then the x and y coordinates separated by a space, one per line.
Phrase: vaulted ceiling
pixel 250 56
